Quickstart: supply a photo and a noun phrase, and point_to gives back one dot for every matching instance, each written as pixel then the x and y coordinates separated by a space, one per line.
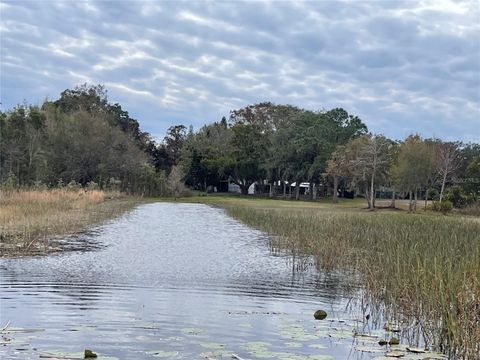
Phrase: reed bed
pixel 421 270
pixel 29 218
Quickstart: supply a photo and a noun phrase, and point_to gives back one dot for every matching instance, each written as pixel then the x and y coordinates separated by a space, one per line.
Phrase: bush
pixel 457 196
pixel 114 184
pixel 444 207
pixel 10 183
pixel 92 185
pixel 186 192
pixel 39 185
pixel 472 209
pixel 73 186
pixel 433 194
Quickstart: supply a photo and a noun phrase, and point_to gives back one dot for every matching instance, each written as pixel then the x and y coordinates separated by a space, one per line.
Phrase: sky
pixel 402 66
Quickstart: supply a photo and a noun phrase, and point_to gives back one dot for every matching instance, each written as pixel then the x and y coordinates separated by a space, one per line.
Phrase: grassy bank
pixel 29 219
pixel 420 269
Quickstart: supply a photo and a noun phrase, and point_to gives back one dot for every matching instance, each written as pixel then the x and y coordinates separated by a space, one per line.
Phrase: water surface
pixel 179 281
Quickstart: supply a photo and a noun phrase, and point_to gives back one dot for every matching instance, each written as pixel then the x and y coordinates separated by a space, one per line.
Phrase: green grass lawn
pixel 357 204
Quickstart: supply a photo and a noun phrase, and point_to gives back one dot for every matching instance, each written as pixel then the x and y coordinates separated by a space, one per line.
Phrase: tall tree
pixel 338 166
pixel 252 127
pixel 248 151
pixel 207 156
pixel 414 167
pixel 365 161
pixel 174 140
pixel 448 161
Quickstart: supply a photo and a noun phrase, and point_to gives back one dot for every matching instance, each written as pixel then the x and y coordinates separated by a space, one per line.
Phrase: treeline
pixel 445 172
pixel 79 139
pixel 332 152
pixel 83 139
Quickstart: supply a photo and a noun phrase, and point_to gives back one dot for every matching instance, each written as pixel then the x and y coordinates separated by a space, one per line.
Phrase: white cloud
pixel 402 66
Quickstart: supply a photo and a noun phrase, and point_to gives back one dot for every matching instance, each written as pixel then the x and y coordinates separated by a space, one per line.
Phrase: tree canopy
pixel 84 138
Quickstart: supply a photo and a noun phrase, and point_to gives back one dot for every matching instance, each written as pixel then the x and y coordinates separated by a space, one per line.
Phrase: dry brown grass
pixel 28 217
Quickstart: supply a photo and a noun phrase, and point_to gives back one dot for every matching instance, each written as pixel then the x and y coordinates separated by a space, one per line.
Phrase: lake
pixel 176 281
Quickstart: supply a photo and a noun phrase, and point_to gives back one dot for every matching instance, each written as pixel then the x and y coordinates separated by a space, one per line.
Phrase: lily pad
pixel 395 354
pixel 212 345
pixel 293 344
pixel 163 354
pixel 369 349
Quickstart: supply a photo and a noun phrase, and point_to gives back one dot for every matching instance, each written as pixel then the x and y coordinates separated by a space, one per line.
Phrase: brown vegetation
pixel 29 218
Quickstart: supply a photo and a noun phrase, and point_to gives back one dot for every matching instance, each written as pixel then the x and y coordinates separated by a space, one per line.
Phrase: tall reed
pixel 420 269
pixel 31 217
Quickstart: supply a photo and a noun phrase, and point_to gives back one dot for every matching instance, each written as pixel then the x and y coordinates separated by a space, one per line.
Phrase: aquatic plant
pixel 422 270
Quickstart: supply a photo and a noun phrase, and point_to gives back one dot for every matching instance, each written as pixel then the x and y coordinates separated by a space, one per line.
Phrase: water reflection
pixel 143 280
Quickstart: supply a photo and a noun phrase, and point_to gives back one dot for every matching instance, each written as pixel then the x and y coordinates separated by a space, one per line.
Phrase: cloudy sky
pixel 402 66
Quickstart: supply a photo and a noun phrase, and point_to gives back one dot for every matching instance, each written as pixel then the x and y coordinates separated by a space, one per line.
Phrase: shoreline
pixel 33 221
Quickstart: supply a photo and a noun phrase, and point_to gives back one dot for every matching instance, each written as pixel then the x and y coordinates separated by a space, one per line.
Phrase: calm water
pixel 178 281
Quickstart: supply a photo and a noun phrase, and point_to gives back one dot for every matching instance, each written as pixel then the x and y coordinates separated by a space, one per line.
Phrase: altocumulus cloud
pixel 402 66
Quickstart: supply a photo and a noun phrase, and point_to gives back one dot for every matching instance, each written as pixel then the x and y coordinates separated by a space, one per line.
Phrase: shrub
pixel 39 185
pixel 433 194
pixel 114 184
pixel 457 196
pixel 472 209
pixel 92 185
pixel 444 206
pixel 73 186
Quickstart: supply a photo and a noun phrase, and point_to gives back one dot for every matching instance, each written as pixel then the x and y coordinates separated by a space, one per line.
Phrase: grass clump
pixel 29 218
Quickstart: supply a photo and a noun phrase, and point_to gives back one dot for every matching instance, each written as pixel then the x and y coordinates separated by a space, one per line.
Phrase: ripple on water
pixel 163 268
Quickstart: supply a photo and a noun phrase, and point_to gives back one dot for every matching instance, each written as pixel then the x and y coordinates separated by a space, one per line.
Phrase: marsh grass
pixel 29 218
pixel 421 270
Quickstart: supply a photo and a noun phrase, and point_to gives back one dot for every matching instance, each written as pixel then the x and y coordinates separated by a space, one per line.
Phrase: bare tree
pixel 365 160
pixel 370 163
pixel 448 160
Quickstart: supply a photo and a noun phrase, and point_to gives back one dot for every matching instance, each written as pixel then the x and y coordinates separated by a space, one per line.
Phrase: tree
pixel 73 139
pixel 174 140
pixel 337 167
pixel 248 152
pixel 346 126
pixel 414 167
pixel 448 161
pixel 365 161
pixel 370 163
pixel 175 181
pixel 471 183
pixel 89 98
pixel 278 160
pixel 252 127
pixel 207 156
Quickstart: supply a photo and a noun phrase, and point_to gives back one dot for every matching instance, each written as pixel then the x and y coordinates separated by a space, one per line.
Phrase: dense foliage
pixel 82 138
pixel 78 139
